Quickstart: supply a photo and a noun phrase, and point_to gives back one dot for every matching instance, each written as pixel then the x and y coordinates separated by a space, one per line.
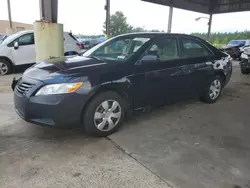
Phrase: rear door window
pixel 191 48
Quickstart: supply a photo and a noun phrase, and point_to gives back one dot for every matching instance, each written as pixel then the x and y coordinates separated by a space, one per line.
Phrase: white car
pixel 19 49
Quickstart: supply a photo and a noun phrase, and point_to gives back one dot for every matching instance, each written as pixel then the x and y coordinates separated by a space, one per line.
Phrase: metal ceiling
pixel 207 6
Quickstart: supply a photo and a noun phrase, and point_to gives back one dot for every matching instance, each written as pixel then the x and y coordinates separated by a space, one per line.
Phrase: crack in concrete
pixel 131 156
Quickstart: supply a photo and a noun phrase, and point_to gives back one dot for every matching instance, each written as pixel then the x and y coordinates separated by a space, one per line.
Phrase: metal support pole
pixel 107 8
pixel 48 10
pixel 209 26
pixel 170 18
pixel 9 13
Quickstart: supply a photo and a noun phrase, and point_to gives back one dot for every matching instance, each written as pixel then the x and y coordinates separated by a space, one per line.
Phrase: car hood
pixel 229 46
pixel 64 68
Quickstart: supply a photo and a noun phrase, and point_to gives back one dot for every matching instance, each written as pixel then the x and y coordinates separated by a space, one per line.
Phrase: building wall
pixel 17 26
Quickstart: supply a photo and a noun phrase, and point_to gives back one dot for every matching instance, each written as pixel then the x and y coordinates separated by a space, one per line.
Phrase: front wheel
pixel 244 70
pixel 5 67
pixel 104 114
pixel 213 91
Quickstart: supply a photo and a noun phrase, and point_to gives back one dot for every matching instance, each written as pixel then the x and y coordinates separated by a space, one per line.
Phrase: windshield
pixel 2 38
pixel 237 43
pixel 11 38
pixel 117 49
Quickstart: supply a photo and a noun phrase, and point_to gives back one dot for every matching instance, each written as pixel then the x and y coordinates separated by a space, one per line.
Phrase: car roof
pixel 157 34
pixel 26 31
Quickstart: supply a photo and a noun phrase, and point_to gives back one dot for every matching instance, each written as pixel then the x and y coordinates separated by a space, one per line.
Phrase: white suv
pixel 12 55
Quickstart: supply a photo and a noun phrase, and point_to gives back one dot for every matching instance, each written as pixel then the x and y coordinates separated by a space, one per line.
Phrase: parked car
pixel 235 47
pixel 19 49
pixel 86 44
pixel 80 43
pixel 98 89
pixel 3 37
pixel 245 61
pixel 94 42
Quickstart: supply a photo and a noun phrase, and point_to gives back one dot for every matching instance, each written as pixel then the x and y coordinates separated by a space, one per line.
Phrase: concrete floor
pixel 37 157
pixel 185 145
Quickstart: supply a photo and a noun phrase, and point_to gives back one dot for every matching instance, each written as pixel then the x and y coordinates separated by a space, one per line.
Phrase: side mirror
pixel 16 45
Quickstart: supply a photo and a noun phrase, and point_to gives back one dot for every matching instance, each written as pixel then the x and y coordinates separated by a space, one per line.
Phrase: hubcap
pixel 3 68
pixel 107 115
pixel 214 90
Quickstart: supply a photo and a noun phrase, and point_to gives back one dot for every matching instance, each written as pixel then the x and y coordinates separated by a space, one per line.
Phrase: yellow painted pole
pixel 49 40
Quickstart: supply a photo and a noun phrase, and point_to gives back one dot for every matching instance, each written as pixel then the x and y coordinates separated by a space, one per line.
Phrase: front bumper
pixel 53 110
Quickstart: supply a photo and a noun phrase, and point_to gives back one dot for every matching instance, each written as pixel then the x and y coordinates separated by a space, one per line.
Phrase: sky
pixel 87 16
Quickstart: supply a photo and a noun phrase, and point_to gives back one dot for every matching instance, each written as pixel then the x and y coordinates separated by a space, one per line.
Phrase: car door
pixel 194 56
pixel 25 52
pixel 164 80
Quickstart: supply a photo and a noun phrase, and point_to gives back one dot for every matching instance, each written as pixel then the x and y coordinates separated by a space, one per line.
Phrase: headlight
pixel 59 88
pixel 247 50
pixel 244 56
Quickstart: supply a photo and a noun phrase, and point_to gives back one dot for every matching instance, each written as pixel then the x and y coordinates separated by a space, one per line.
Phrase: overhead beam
pixel 203 6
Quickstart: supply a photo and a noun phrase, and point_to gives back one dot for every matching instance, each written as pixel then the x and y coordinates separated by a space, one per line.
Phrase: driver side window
pixel 26 40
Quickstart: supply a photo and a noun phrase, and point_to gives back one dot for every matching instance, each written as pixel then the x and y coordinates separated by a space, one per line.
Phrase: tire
pixel 212 97
pixel 244 70
pixel 5 67
pixel 95 115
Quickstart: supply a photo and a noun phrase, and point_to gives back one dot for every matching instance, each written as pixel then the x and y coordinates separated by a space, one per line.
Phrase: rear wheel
pixel 213 91
pixel 104 114
pixel 5 67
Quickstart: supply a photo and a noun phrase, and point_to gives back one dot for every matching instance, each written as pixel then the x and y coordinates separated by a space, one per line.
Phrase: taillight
pixel 79 44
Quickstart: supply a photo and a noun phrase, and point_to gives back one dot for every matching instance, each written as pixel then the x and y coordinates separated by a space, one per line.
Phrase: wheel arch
pixel 7 59
pixel 116 88
pixel 222 75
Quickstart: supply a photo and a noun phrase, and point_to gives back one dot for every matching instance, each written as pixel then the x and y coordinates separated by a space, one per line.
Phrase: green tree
pixel 156 30
pixel 138 29
pixel 225 40
pixel 118 25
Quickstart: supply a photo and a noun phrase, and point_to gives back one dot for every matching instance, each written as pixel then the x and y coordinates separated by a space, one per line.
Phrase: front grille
pixel 22 88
